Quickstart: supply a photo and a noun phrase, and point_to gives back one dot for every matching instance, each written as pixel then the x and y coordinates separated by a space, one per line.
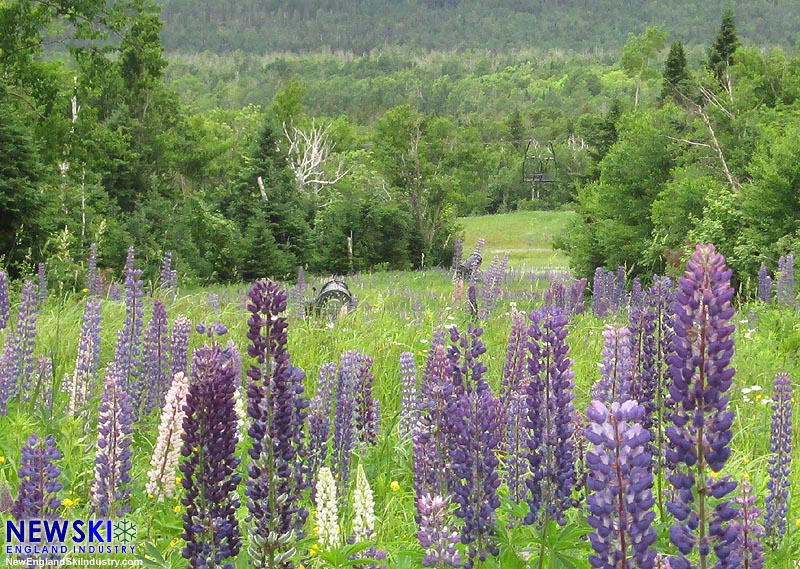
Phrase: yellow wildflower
pixel 2 459
pixel 178 480
pixel 67 503
pixel 176 509
pixel 174 541
pixel 395 486
pixel 746 460
pixel 85 290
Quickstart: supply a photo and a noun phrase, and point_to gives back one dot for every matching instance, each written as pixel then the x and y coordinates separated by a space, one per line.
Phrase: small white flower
pixel 423 341
pixel 330 324
pixel 449 326
pixel 512 304
pixel 451 317
pixel 767 402
pixel 746 399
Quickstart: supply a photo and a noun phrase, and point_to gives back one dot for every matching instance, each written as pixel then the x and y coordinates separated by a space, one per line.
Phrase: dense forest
pixel 246 164
pixel 267 26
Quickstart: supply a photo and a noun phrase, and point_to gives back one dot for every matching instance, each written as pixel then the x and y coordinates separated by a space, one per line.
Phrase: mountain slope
pixel 359 26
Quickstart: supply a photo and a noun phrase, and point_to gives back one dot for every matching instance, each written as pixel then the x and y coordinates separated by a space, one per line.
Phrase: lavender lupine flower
pixel 764 284
pixel 473 424
pixel 23 362
pixel 277 409
pixel 512 401
pixel 575 294
pixel 44 383
pixel 747 551
pixel 637 293
pixel 181 330
pixel 209 467
pixel 458 252
pixel 84 378
pixel 472 300
pixel 319 418
pixel 432 473
pixel 112 465
pixel 618 298
pixel 780 460
pixel 5 303
pixel 114 291
pixel 92 278
pixel 785 286
pixel 367 408
pixel 616 370
pixel 344 427
pixel 127 353
pixel 701 434
pixel 39 486
pixel 601 302
pixel 409 402
pixel 156 359
pixel 549 420
pixel 167 450
pixel 435 535
pixel 165 277
pixel 620 486
pixel 42 273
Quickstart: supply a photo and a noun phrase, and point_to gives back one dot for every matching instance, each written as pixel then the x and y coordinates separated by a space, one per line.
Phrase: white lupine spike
pixel 363 508
pixel 327 510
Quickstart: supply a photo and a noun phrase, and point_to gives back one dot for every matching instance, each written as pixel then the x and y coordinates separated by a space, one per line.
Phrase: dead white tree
pixel 311 158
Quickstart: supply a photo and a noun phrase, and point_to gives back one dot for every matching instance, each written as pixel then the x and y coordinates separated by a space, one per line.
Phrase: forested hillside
pixel 247 164
pixel 263 26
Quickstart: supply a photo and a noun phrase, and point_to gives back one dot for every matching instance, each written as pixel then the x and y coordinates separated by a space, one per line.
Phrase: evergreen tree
pixel 721 56
pixel 676 74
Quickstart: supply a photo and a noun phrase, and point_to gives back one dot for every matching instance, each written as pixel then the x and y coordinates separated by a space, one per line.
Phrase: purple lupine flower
pixel 701 433
pixel 181 330
pixel 458 252
pixel 474 423
pixel 114 291
pixel 472 300
pixel 512 402
pixel 464 353
pixel 319 419
pixel 165 277
pixel 44 383
pixel 5 303
pixel 600 303
pixel 764 284
pixel 367 408
pixel 92 278
pixel 84 379
pixel 637 293
pixel 784 290
pixel 344 427
pixel 37 498
pixel 210 430
pixel 618 298
pixel 575 295
pixel 112 465
pixel 25 340
pixel 746 549
pixel 616 370
pixel 549 420
pixel 780 460
pixel 7 373
pixel 620 486
pixel 156 359
pixel 430 438
pixel 435 534
pixel 556 295
pixel 409 401
pixel 42 273
pixel 127 352
pixel 491 286
pixel 277 409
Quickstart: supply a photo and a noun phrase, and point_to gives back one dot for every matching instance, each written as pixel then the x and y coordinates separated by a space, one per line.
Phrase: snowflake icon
pixel 124 531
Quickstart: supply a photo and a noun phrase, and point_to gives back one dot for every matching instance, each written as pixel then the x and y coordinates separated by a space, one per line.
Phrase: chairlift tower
pixel 539 166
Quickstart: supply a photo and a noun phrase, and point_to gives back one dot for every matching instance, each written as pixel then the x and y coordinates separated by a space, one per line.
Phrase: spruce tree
pixel 676 73
pixel 721 55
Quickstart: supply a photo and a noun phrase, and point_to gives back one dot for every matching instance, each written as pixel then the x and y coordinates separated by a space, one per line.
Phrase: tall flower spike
pixel 328 530
pixel 5 303
pixel 409 402
pixel 747 551
pixel 112 465
pixel 84 379
pixel 512 402
pixel 127 352
pixel 156 358
pixel 620 487
pixel 785 285
pixel 367 407
pixel 616 371
pixel 42 273
pixel 166 453
pixel 37 498
pixel 181 330
pixel 344 426
pixel 92 282
pixel 700 436
pixel 780 460
pixel 363 508
pixel 277 410
pixel 21 361
pixel 551 452
pixel 764 284
pixel 210 480
pixel 435 535
pixel 319 418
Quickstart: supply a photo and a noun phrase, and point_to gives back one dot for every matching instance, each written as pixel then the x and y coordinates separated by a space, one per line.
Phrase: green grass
pixel 527 237
pixel 397 312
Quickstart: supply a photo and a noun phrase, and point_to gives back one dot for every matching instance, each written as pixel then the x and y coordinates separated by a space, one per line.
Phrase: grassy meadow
pixel 398 312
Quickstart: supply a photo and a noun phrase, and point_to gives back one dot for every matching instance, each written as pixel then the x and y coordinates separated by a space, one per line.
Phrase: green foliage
pixel 720 58
pixel 676 74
